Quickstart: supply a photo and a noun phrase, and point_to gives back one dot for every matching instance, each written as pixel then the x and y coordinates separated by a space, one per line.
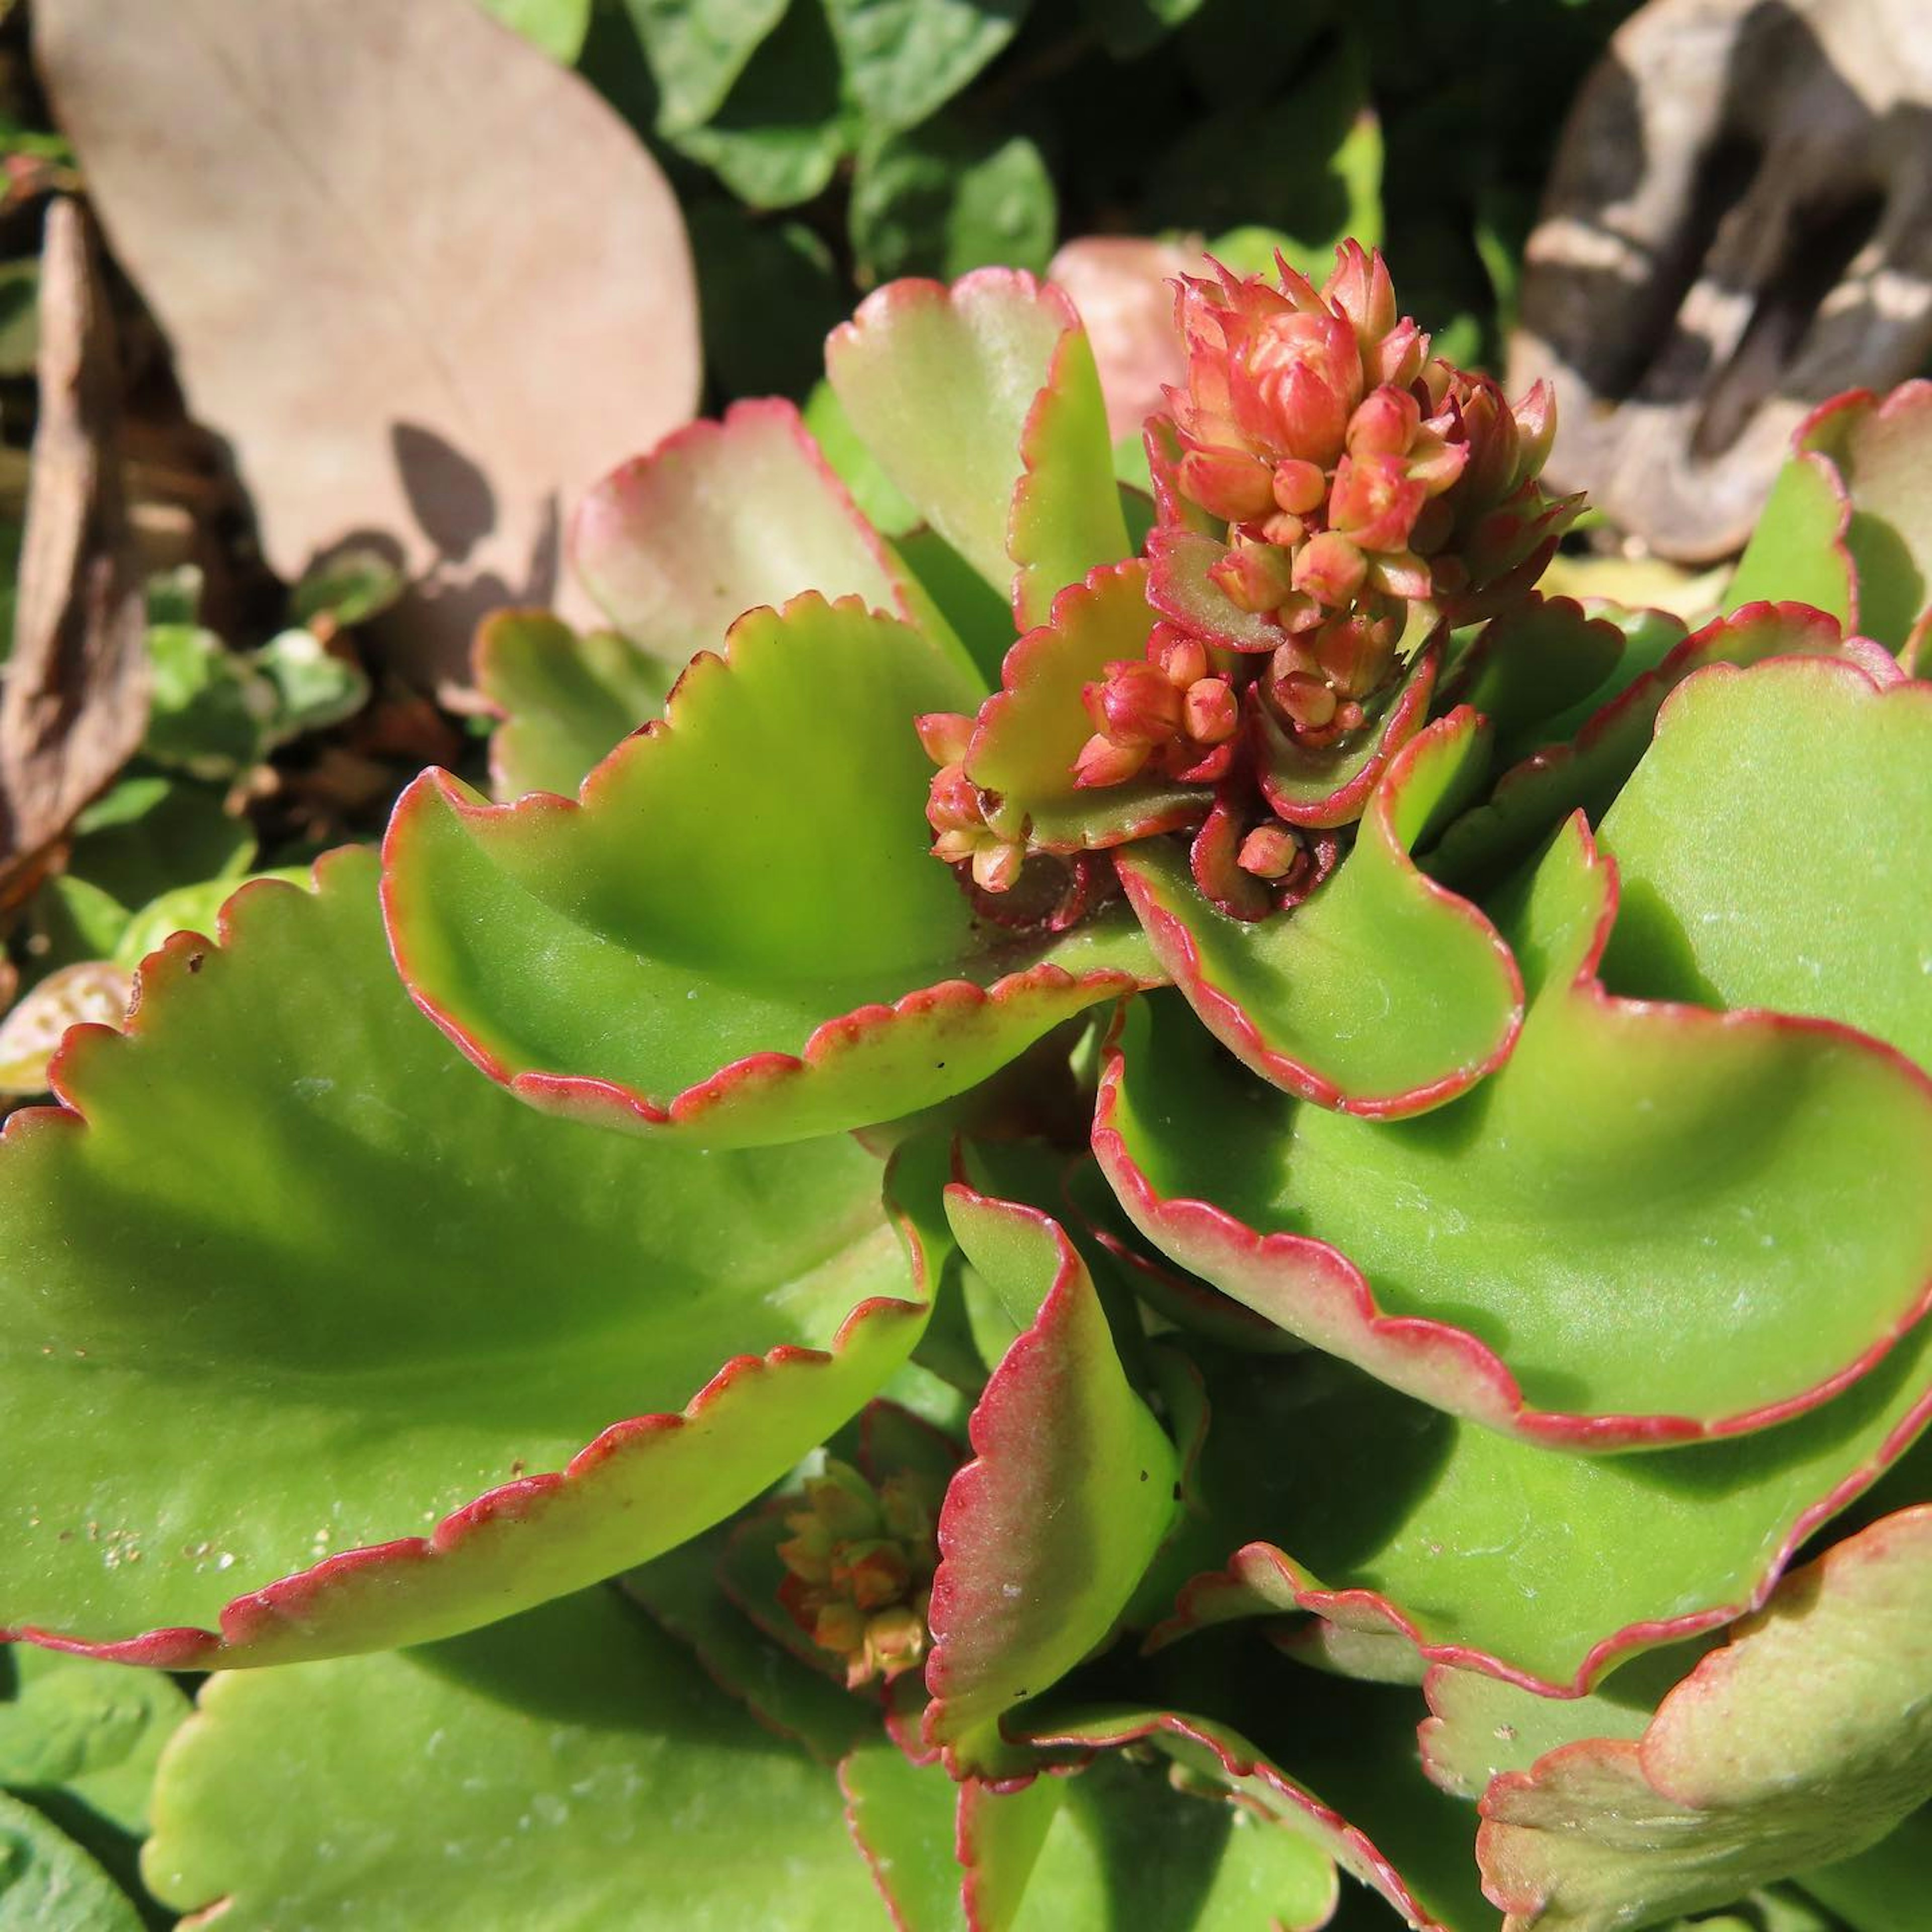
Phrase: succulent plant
pixel 1309 1259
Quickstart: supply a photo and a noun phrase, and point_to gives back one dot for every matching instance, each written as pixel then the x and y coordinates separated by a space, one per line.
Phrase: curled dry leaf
pixel 76 693
pixel 387 347
pixel 90 990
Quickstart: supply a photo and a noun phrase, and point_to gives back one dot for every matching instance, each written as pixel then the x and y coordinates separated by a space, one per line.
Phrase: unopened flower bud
pixel 946 735
pixel 1270 852
pixel 1211 712
pixel 1227 484
pixel 1329 568
pixel 1384 423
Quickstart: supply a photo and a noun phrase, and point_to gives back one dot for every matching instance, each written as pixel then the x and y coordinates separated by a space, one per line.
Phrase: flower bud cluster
pixel 859 1566
pixel 1328 496
pixel 1348 478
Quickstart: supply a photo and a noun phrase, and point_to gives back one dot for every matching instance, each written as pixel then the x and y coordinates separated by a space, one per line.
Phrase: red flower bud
pixel 1256 577
pixel 1384 424
pixel 1300 487
pixel 1329 568
pixel 1102 762
pixel 1270 852
pixel 1211 712
pixel 1374 504
pixel 945 736
pixel 1227 484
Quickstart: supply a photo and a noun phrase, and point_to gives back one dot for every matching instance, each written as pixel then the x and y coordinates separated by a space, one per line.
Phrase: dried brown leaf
pixel 77 693
pixel 426 282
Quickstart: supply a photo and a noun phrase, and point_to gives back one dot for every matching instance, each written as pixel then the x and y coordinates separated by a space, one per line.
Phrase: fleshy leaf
pixel 719 518
pixel 47 1881
pixel 1121 1847
pixel 1804 1739
pixel 941 384
pixel 1765 1168
pixel 1530 664
pixel 1066 518
pixel 1492 1552
pixel 1210 1754
pixel 568 1769
pixel 1030 733
pixel 1179 586
pixel 1044 1536
pixel 1330 786
pixel 682 1592
pixel 728 974
pixel 1848 526
pixel 373 1323
pixel 1532 799
pixel 80 1741
pixel 1772 849
pixel 1382 995
pixel 565 700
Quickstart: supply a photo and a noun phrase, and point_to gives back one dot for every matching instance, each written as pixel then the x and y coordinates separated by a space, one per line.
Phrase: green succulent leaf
pixel 565 700
pixel 1120 1847
pixel 47 1880
pixel 1772 850
pixel 1764 1170
pixel 1531 800
pixel 1489 1551
pixel 1804 1739
pixel 1330 785
pixel 904 58
pixel 1363 1738
pixel 1849 526
pixel 1528 666
pixel 1044 1537
pixel 721 517
pixel 313 687
pixel 1029 735
pixel 80 1741
pixel 684 1591
pixel 92 1733
pixel 1797 554
pixel 880 500
pixel 567 1769
pixel 962 391
pixel 1384 994
pixel 784 895
pixel 336 1288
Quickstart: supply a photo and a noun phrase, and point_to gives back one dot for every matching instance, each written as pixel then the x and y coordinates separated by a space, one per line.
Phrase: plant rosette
pixel 1114 1129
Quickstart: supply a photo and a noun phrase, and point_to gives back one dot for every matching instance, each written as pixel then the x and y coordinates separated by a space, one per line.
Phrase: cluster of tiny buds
pixel 859 1566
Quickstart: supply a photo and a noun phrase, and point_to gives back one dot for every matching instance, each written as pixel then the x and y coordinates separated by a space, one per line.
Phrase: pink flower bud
pixel 1300 487
pixel 1211 712
pixel 1304 699
pixel 1134 704
pixel 1384 423
pixel 1398 358
pixel 1329 568
pixel 1102 762
pixel 952 804
pixel 1400 574
pixel 1297 385
pixel 1535 416
pixel 1270 852
pixel 1179 658
pixel 1227 484
pixel 945 736
pixel 1359 287
pixel 1256 578
pixel 996 867
pixel 1374 503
